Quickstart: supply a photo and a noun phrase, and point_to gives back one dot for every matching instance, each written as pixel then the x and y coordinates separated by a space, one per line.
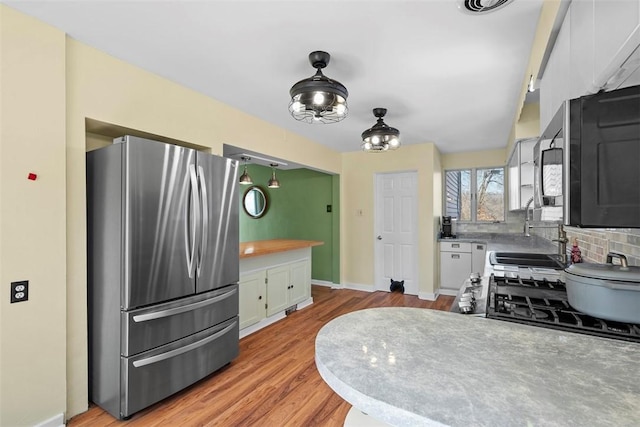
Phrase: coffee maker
pixel 447 228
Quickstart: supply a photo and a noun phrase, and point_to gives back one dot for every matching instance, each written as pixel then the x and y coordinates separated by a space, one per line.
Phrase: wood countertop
pixel 265 247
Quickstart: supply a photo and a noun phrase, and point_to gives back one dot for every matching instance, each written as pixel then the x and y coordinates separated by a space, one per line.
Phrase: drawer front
pixel 152 327
pixel 455 247
pixel 454 269
pixel 151 376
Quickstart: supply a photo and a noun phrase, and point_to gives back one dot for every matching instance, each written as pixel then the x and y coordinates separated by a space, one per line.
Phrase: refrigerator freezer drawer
pixel 150 377
pixel 151 327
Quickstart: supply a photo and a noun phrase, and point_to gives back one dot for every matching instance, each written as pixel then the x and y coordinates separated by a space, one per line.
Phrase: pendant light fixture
pixel 318 98
pixel 245 179
pixel 273 182
pixel 380 137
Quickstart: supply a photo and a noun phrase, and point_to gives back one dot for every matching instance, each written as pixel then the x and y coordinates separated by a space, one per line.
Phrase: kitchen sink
pixel 526 259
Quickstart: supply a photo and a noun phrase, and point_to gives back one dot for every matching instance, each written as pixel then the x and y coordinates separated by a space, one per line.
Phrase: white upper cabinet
pixel 581 48
pixel 520 172
pixel 615 22
pixel 596 37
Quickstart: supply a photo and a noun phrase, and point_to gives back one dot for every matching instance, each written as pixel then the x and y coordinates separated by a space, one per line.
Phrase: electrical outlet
pixel 19 291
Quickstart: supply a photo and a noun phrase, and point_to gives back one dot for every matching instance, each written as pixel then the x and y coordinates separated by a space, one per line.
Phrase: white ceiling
pixel 445 76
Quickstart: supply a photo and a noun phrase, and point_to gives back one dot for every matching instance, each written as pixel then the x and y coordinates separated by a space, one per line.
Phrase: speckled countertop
pixel 508 242
pixel 420 367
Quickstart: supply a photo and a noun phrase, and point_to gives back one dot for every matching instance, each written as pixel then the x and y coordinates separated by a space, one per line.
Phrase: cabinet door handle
pixel 455 245
pixel 260 297
pixel 455 256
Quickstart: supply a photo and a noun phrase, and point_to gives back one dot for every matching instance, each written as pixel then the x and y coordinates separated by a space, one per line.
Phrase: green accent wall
pixel 298 210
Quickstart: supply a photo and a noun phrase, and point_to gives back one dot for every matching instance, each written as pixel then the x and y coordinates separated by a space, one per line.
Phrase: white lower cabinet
pixel 300 282
pixel 478 257
pixel 270 291
pixel 278 282
pixel 287 285
pixel 455 264
pixel 253 297
pixel 458 260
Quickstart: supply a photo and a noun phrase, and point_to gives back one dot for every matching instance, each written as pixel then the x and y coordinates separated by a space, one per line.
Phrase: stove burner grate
pixel 544 303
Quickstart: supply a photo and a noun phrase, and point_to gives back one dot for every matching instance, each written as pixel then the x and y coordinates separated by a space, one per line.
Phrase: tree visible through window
pixel 475 194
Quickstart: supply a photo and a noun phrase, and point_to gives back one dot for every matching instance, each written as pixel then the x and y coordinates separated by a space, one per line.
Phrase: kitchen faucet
pixel 527 226
pixel 562 235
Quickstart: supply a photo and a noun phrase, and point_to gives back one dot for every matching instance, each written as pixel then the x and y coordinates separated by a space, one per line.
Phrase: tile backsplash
pixel 513 224
pixel 594 243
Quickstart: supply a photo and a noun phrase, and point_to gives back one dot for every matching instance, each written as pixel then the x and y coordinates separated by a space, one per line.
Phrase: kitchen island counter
pixel 266 247
pixel 413 367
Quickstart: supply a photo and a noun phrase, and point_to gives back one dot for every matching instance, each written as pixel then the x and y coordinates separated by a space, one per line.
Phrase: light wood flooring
pixel 274 380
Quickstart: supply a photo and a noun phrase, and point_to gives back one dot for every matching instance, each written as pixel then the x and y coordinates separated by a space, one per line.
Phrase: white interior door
pixel 396 230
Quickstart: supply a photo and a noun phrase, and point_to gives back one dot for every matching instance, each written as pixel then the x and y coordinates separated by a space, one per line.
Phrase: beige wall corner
pixel 438 199
pixel 357 194
pixel 33 226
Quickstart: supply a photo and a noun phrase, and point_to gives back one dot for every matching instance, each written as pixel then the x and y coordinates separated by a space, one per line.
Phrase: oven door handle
pixel 178 351
pixel 189 307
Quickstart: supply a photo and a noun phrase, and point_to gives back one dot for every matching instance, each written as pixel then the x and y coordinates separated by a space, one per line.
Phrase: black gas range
pixel 544 303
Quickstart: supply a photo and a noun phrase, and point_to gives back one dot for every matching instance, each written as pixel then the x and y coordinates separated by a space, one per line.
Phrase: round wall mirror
pixel 255 202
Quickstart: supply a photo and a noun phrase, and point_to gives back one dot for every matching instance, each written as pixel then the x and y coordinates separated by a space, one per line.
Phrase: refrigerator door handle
pixel 205 218
pixel 191 226
pixel 182 350
pixel 189 307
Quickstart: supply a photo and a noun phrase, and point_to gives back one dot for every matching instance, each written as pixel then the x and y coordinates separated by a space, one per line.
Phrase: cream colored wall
pixel 474 159
pixel 32 214
pixel 528 125
pixel 357 193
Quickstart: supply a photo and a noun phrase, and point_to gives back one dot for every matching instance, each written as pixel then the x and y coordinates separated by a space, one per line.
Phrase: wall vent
pixel 478 7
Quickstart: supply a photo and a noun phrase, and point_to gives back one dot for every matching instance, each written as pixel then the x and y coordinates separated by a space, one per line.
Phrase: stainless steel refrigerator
pixel 163 270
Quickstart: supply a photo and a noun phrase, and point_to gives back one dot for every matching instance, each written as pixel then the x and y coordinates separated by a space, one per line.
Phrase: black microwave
pixel 587 162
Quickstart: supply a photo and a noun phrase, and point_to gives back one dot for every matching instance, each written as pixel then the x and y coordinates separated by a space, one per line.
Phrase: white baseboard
pixel 261 324
pixel 271 319
pixel 55 421
pixel 429 296
pixel 450 292
pixel 359 287
pixel 306 303
pixel 323 283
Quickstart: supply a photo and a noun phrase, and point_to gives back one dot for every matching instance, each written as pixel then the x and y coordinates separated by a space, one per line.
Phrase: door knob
pixel 379 237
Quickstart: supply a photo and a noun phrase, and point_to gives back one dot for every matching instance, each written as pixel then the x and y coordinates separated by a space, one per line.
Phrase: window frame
pixel 474 193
